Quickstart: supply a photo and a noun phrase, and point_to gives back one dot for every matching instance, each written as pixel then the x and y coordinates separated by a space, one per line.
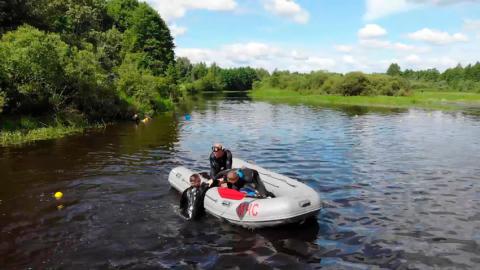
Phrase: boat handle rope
pixel 215 200
pixel 283 180
pixel 270 184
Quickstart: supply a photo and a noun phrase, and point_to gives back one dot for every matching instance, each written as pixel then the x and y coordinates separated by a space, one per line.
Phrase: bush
pixel 139 88
pixel 34 63
pixel 92 60
pixel 3 80
pixel 354 84
pixel 387 85
pixel 238 78
pixel 331 85
pixel 2 100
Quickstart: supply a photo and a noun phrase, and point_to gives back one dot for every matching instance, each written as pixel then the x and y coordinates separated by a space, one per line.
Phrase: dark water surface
pixel 401 191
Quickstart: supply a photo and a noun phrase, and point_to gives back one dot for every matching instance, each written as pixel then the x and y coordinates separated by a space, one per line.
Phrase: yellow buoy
pixel 58 195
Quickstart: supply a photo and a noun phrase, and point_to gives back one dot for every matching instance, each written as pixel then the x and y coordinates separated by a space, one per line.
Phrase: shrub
pixel 34 63
pixel 2 100
pixel 139 88
pixel 332 85
pixel 354 84
pixel 387 85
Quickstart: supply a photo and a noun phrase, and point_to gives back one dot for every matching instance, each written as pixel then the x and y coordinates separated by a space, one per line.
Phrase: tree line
pixel 200 77
pixel 350 84
pixel 394 82
pixel 458 78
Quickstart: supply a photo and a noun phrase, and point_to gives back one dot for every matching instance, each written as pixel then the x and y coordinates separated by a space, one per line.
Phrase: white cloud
pixel 245 52
pixel 349 59
pixel 196 55
pixel 437 37
pixel 299 55
pixel 413 58
pixel 471 25
pixel 417 62
pixel 343 48
pixel 441 2
pixel 258 54
pixel 174 9
pixel 317 63
pixel 376 9
pixel 381 8
pixel 403 47
pixel 396 46
pixel 371 31
pixel 177 30
pixel 375 43
pixel 287 8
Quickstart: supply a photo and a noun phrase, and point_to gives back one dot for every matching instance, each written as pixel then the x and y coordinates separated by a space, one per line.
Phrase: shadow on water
pixel 349 110
pixel 363 110
pixel 110 150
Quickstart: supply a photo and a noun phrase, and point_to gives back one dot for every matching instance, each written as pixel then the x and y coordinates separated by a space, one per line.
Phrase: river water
pixel 401 190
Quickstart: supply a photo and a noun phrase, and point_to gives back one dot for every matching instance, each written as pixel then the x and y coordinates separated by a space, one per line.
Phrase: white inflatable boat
pixel 293 202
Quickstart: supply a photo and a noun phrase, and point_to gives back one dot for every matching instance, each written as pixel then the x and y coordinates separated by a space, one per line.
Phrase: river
pixel 400 188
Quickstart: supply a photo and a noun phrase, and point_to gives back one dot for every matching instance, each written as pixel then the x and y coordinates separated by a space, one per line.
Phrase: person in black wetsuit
pixel 240 178
pixel 191 202
pixel 220 159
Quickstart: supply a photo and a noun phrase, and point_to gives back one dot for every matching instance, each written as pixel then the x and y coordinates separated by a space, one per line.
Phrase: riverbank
pixel 420 99
pixel 8 138
pixel 38 131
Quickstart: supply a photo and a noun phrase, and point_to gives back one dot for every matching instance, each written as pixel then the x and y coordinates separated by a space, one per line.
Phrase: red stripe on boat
pixel 231 194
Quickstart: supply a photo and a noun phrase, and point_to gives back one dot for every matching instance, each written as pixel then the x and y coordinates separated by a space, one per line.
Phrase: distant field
pixel 429 100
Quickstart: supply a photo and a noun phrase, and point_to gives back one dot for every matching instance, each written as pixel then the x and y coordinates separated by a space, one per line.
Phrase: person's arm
pixel 213 183
pixel 262 190
pixel 184 200
pixel 221 175
pixel 213 166
pixel 204 186
pixel 228 164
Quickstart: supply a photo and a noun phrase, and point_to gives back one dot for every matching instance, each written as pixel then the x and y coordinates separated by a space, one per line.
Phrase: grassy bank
pixel 45 133
pixel 421 99
pixel 16 131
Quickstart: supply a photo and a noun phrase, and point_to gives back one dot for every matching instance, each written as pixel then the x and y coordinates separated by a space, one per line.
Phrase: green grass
pixel 8 138
pixel 421 99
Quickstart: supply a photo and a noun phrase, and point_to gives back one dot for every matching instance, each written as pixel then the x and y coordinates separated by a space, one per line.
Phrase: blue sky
pixel 342 36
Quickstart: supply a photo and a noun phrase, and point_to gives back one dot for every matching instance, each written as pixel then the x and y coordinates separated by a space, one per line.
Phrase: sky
pixel 333 35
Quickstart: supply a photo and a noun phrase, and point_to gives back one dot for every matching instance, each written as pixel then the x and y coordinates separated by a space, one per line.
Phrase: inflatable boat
pixel 293 201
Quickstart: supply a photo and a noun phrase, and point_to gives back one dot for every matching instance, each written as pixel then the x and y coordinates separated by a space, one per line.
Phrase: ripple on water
pixel 400 191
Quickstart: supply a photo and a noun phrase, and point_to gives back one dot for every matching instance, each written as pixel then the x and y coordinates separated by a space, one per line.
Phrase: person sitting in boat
pixel 191 202
pixel 244 178
pixel 220 159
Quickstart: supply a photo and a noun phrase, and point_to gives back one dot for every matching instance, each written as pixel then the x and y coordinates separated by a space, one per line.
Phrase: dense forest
pixel 85 61
pixel 91 59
